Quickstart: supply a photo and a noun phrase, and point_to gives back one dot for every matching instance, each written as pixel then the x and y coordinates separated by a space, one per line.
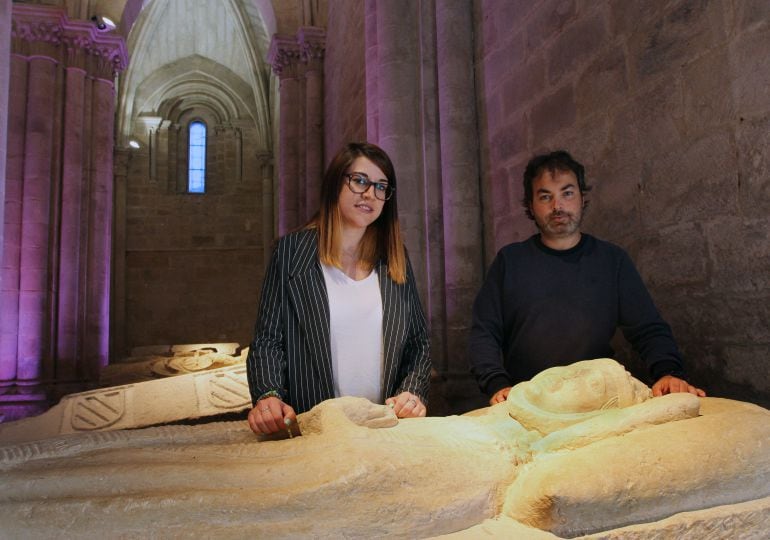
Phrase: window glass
pixel 196 177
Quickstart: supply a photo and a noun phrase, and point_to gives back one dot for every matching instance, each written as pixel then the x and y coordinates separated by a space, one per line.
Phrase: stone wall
pixel 193 262
pixel 667 103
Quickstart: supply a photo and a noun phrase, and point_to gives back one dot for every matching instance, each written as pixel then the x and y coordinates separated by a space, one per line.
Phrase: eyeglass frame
pixel 389 190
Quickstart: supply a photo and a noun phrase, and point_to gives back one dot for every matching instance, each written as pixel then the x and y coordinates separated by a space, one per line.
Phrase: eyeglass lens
pixel 358 183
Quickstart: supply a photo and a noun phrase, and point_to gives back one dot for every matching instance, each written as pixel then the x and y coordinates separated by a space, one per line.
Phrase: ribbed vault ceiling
pixel 210 53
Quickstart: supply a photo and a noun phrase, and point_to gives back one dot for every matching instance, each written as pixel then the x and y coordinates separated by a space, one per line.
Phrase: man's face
pixel 557 204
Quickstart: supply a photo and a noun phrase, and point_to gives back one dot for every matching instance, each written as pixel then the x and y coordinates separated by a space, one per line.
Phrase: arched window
pixel 196 165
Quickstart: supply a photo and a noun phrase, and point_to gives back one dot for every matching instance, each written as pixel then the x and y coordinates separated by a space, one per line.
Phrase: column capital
pixel 264 158
pixel 47 31
pixel 312 42
pixel 284 55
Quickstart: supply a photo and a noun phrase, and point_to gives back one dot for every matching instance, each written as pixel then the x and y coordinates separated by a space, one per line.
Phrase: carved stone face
pixel 562 396
pixel 569 390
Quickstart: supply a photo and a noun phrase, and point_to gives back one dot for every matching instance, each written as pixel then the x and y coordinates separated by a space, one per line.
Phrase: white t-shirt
pixel 355 324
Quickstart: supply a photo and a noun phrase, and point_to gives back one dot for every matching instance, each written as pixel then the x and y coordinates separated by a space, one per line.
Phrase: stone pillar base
pixel 15 406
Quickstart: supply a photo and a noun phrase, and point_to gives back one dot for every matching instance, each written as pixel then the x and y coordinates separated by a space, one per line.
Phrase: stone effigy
pixel 158 384
pixel 577 450
pixel 149 363
pixel 188 396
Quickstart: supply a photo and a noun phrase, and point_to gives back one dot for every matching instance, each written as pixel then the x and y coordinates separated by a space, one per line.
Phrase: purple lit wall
pixel 665 102
pixel 58 195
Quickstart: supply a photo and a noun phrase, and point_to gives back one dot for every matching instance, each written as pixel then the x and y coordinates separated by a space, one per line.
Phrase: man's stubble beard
pixel 563 229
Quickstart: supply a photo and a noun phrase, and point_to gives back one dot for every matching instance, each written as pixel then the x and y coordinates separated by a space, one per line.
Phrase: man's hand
pixel 406 405
pixel 269 415
pixel 668 384
pixel 500 396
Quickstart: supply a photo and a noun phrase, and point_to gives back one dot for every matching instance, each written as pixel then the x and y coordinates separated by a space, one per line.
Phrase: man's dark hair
pixel 560 160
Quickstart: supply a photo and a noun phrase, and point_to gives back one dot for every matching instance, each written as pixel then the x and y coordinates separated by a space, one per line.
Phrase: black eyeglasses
pixel 359 183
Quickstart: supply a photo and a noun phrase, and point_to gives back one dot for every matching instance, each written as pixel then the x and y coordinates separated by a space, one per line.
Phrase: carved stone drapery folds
pixel 57 236
pixel 298 63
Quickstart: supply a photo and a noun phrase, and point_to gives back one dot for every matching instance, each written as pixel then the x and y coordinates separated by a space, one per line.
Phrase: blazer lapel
pixel 393 329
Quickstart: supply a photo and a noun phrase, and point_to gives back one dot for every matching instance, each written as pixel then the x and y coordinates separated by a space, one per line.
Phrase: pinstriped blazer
pixel 291 350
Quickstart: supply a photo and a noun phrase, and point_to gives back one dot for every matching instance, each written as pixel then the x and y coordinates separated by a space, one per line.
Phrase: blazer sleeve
pixel 415 365
pixel 266 362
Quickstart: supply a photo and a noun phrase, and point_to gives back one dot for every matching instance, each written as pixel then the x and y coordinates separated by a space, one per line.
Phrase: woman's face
pixel 359 210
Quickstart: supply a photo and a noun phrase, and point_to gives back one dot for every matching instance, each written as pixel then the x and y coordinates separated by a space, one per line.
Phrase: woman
pixel 339 313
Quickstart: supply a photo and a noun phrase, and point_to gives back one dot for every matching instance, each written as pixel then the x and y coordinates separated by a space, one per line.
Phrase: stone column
pixel 398 117
pixel 416 51
pixel 96 339
pixel 67 346
pixel 312 43
pixel 265 161
pixel 372 66
pixel 5 63
pixel 284 57
pixel 121 159
pixel 463 256
pixel 12 176
pixel 61 141
pixel 35 221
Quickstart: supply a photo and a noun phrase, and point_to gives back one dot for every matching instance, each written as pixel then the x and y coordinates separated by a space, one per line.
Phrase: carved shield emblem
pixel 98 411
pixel 229 390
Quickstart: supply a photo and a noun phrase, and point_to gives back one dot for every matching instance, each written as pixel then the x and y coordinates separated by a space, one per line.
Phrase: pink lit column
pixel 399 116
pixel 69 306
pixel 5 62
pixel 11 246
pixel 96 344
pixel 284 58
pixel 463 260
pixel 312 42
pixel 55 330
pixel 36 209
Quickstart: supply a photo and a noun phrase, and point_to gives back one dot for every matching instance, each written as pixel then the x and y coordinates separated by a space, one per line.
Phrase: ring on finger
pixel 266 409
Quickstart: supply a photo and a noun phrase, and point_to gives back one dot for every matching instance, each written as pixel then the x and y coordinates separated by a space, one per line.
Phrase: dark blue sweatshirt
pixel 541 307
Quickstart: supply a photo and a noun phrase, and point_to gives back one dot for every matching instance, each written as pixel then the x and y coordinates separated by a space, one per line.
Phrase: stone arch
pixel 248 25
pixel 193 81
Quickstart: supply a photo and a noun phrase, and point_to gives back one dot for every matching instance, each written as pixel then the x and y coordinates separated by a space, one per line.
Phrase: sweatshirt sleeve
pixel 642 325
pixel 485 344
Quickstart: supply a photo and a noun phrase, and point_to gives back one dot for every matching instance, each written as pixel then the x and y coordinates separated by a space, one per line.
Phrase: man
pixel 559 296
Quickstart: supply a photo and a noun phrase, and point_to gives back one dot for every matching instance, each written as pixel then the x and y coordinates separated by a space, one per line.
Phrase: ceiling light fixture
pixel 103 24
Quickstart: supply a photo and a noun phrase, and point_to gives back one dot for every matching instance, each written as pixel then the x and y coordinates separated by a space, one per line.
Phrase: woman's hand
pixel 406 405
pixel 270 415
